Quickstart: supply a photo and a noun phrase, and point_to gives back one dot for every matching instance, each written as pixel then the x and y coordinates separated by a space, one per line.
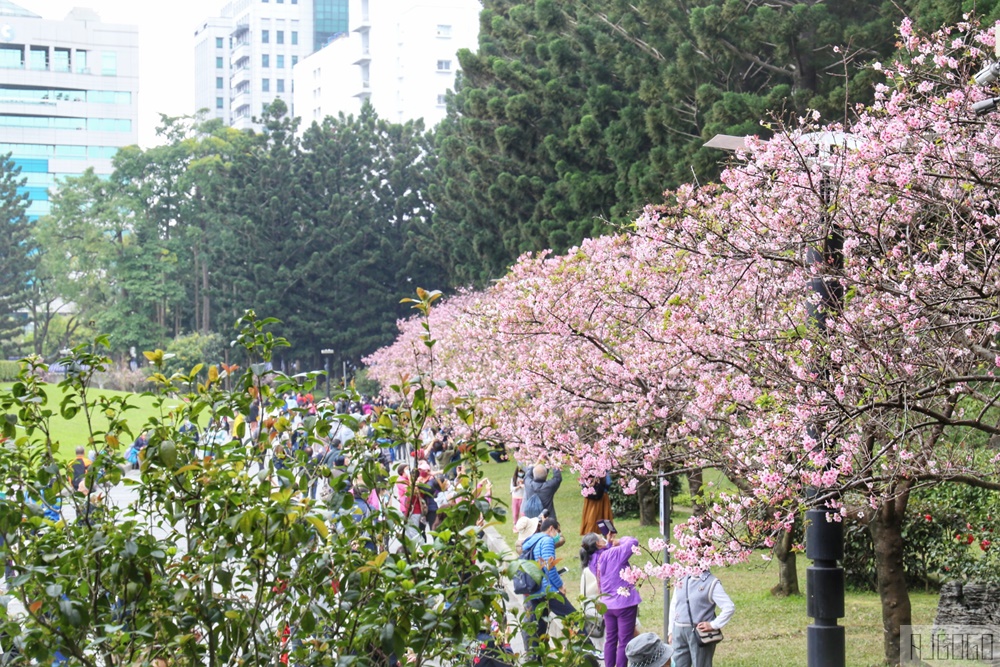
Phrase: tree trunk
pixel 887 536
pixel 206 308
pixel 695 482
pixel 649 502
pixel 196 270
pixel 788 574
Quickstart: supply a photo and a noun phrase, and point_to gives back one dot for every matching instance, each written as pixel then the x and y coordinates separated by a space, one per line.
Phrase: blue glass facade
pixel 36 172
pixel 329 21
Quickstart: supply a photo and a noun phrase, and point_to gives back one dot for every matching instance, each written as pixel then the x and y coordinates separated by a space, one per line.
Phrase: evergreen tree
pixel 17 255
pixel 573 115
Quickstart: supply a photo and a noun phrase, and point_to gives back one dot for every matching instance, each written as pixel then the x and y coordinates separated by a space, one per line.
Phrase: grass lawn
pixel 70 434
pixel 766 631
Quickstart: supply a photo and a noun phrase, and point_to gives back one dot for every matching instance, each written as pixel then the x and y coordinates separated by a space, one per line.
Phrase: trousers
pixel 687 652
pixel 619 627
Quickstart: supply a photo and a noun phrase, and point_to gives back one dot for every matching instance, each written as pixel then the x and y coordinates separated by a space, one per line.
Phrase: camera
pixel 985 106
pixel 988 74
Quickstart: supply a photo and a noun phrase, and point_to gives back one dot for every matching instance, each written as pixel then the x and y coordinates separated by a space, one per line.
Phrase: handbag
pixel 523 582
pixel 702 637
pixel 594 626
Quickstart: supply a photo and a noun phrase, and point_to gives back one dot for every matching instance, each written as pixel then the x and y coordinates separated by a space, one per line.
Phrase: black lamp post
pixel 825 638
pixel 327 353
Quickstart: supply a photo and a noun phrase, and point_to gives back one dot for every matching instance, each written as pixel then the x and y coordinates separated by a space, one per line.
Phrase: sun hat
pixel 525 528
pixel 646 650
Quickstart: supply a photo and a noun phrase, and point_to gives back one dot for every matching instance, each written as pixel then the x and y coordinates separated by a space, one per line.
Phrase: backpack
pixel 524 583
pixel 532 507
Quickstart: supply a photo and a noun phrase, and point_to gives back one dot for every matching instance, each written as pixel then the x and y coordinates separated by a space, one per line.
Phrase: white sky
pixel 166 49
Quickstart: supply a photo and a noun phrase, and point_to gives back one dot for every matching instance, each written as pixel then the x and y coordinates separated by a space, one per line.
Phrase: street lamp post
pixel 327 353
pixel 665 507
pixel 825 637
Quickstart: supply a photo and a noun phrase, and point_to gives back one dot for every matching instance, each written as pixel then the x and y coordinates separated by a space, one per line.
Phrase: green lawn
pixel 69 434
pixel 766 631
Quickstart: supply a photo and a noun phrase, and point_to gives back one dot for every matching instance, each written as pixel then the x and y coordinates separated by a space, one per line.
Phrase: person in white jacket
pixel 692 608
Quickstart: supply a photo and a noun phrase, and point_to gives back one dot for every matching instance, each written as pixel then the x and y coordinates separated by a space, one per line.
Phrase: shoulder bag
pixel 703 637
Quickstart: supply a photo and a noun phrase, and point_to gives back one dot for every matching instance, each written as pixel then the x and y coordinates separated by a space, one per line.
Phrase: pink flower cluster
pixel 693 341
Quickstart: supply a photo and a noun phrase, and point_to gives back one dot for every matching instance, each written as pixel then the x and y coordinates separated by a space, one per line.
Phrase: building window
pixel 218 103
pixel 441 100
pixel 80 60
pixel 218 42
pixel 295 61
pixel 444 31
pixel 39 58
pixel 60 60
pixel 281 37
pixel 218 82
pixel 444 65
pixel 109 63
pixel 265 85
pixel 281 62
pixel 265 60
pixel 281 85
pixel 295 37
pixel 218 62
pixel 11 57
pixel 265 36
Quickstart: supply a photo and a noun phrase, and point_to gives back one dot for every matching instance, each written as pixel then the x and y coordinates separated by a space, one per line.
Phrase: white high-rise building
pixel 69 95
pixel 211 68
pixel 400 55
pixel 250 50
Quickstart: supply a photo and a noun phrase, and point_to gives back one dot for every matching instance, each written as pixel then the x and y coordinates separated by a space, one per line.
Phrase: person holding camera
pixel 606 558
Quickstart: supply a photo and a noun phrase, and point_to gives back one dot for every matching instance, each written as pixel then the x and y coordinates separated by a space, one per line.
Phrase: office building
pixel 211 67
pixel 400 55
pixel 69 94
pixel 244 57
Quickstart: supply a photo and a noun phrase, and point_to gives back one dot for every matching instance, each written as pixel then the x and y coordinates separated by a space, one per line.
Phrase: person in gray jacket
pixel 692 608
pixel 539 484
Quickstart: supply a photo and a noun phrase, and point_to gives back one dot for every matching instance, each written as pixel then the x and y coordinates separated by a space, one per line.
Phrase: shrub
pixel 623 506
pixel 9 370
pixel 947 535
pixel 192 349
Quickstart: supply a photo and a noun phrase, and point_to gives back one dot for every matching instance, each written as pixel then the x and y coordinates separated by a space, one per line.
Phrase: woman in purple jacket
pixel 606 560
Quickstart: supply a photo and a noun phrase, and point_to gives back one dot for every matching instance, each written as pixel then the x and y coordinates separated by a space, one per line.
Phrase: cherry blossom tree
pixel 701 338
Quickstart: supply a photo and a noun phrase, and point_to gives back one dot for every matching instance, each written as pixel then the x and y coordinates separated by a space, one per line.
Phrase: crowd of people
pixel 694 627
pixel 424 482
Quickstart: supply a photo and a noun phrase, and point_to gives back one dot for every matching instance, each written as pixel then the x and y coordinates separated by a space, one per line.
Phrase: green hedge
pixel 9 370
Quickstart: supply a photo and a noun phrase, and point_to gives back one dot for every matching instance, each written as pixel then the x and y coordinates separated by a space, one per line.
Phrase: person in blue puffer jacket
pixel 551 598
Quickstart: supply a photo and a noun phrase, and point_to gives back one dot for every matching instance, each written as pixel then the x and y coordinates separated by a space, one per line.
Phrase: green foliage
pixel 212 565
pixel 325 231
pixel 948 535
pixel 193 349
pixel 17 255
pixel 623 506
pixel 365 385
pixel 9 370
pixel 572 116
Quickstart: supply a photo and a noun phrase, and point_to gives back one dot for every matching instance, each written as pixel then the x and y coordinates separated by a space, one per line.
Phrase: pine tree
pixel 17 254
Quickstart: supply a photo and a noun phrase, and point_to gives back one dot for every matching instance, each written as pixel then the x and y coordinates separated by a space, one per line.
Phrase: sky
pixel 166 49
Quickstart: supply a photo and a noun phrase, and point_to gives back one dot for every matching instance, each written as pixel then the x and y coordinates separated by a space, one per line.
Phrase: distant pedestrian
pixel 78 468
pixel 596 506
pixel 516 493
pixel 539 485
